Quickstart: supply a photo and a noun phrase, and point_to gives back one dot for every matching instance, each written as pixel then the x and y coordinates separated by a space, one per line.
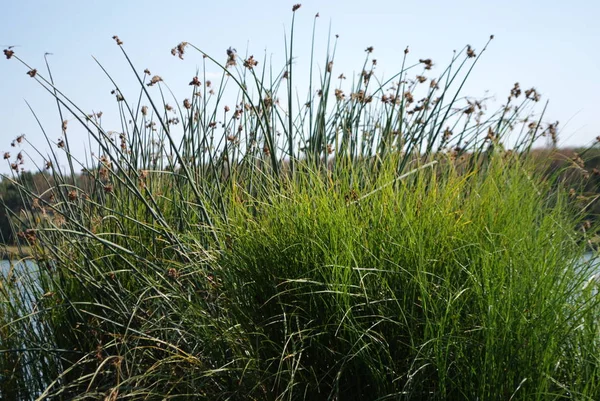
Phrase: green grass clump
pixel 359 244
pixel 447 286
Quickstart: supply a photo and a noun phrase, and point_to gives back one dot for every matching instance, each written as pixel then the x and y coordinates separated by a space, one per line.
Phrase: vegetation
pixel 359 245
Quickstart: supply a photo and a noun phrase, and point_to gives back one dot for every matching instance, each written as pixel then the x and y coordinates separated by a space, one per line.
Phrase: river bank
pixel 11 251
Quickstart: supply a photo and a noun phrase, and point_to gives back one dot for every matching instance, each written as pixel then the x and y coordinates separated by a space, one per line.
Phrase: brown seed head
pixel 428 63
pixel 147 71
pixel 369 49
pixel 296 7
pixel 155 79
pixel 195 82
pixel 532 94
pixel 515 91
pixel 6 155
pixel 187 104
pixel 250 62
pixel 470 52
pixel 32 73
pixel 231 57
pixel 8 53
pixel 179 50
pixel 119 41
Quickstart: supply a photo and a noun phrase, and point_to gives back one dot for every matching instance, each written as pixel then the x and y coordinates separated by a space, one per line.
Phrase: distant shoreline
pixel 11 251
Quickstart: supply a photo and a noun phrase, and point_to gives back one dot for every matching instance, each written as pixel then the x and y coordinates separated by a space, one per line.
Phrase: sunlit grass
pixel 375 240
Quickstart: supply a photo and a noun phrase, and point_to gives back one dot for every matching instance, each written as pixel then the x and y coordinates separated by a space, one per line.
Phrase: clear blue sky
pixel 551 45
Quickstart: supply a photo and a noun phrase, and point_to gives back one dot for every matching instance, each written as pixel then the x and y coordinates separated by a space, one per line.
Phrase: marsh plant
pixel 376 239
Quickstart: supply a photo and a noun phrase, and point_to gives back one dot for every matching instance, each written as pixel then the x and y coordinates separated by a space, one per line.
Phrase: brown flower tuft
pixel 6 155
pixel 369 49
pixel 155 79
pixel 28 235
pixel 187 104
pixel 179 50
pixel 32 73
pixel 147 71
pixel 231 57
pixel 72 195
pixel 515 91
pixel 296 7
pixel 119 41
pixel 470 52
pixel 250 62
pixel 532 94
pixel 8 53
pixel 428 63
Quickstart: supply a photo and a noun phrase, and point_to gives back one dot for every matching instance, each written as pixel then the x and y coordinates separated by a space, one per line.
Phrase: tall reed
pixel 363 244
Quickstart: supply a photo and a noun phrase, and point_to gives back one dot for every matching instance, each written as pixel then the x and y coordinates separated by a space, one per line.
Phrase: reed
pixel 245 244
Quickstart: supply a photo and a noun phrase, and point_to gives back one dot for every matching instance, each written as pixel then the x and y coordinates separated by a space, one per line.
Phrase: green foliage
pixel 359 246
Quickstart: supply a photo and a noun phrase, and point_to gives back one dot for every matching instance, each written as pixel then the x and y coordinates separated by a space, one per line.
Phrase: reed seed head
pixel 155 79
pixel 250 62
pixel 427 62
pixel 179 50
pixel 470 52
pixel 231 57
